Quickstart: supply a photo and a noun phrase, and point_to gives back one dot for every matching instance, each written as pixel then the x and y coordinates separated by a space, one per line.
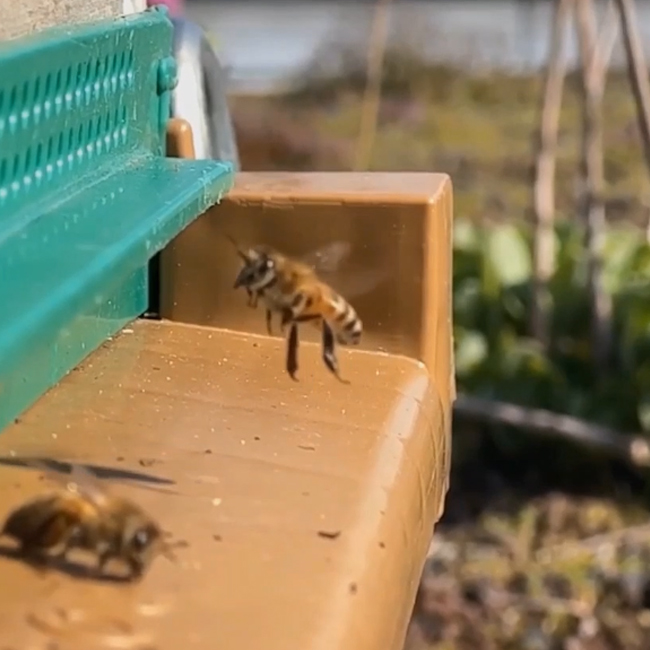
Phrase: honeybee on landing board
pixel 82 515
pixel 293 289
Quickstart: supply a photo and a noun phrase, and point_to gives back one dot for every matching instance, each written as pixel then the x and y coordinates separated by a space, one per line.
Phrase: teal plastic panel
pixel 72 99
pixel 86 194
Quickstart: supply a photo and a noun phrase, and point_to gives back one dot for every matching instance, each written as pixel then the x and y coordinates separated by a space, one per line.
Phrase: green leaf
pixel 467 301
pixel 509 255
pixel 569 251
pixel 466 236
pixel 620 252
pixel 471 350
pixel 643 410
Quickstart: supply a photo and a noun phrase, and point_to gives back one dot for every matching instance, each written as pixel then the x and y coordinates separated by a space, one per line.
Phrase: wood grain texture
pixel 297 502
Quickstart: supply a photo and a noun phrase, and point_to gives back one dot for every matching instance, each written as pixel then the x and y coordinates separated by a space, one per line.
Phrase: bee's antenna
pixel 169 554
pixel 240 252
pixel 167 549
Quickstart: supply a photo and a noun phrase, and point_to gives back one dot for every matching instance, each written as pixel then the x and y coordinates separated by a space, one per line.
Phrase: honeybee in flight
pixel 293 289
pixel 83 515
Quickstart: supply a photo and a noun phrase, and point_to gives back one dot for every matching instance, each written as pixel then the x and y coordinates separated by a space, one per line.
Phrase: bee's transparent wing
pixel 328 258
pixel 355 283
pixel 79 479
pixel 327 262
pixel 86 483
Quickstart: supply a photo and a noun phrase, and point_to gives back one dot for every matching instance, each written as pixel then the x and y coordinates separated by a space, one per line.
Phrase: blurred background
pixel 540 111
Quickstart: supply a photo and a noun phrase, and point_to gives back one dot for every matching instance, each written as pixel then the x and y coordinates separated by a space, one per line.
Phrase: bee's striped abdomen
pixel 346 322
pixel 334 309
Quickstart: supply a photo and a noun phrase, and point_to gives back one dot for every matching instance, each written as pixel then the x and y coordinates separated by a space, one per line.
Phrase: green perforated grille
pixel 86 194
pixel 65 105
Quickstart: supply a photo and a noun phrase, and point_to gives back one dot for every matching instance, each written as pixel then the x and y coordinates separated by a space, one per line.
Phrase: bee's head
pixel 141 542
pixel 258 269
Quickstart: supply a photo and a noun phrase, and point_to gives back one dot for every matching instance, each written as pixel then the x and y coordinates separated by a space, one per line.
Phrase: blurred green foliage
pixel 497 358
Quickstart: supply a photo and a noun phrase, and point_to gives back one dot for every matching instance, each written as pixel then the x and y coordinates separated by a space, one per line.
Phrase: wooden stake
pixel 592 204
pixel 544 186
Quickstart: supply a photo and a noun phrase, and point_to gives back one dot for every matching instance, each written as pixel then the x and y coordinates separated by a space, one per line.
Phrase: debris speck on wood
pixel 329 534
pixel 147 462
pixel 217 538
pixel 353 588
pixel 208 451
pixel 307 447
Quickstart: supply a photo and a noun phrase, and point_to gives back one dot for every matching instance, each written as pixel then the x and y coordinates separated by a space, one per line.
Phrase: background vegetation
pixel 543 544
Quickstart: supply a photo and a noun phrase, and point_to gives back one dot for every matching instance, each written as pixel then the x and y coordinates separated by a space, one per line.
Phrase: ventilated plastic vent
pixel 64 105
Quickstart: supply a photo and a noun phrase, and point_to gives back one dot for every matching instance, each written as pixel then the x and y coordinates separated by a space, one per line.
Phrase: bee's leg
pixel 105 553
pixel 329 353
pixel 63 550
pixel 292 341
pixel 136 568
pixel 292 351
pixel 287 317
pixel 269 315
pixel 293 313
pixel 303 319
pixel 252 298
pixel 102 561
